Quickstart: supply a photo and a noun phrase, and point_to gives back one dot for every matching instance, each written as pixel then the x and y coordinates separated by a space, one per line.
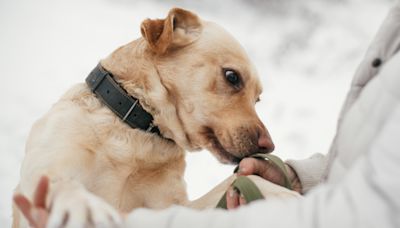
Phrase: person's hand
pixel 35 212
pixel 71 207
pixel 264 169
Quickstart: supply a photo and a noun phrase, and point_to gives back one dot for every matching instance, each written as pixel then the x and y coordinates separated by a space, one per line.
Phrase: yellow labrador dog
pixel 120 139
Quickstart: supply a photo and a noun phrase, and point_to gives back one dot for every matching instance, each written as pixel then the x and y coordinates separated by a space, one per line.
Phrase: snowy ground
pixel 305 51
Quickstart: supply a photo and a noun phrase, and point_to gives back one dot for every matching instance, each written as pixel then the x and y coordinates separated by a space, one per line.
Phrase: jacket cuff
pixel 310 171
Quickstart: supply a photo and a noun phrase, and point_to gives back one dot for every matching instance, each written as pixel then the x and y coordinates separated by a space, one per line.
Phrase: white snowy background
pixel 306 53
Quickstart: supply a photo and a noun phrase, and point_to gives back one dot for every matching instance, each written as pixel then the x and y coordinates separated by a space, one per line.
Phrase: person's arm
pixel 366 197
pixel 310 171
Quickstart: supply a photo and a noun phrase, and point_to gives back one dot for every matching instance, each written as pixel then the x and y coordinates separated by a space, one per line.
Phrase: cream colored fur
pixel 176 70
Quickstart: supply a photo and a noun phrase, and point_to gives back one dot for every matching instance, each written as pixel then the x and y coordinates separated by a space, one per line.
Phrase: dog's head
pixel 210 82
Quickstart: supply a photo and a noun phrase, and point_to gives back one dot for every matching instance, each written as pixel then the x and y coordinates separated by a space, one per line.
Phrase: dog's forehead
pixel 218 38
pixel 223 45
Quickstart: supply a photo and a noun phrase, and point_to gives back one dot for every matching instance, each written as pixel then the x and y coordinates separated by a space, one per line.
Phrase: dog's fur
pixel 176 70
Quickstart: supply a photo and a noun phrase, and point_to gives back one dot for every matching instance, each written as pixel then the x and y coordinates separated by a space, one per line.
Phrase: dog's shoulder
pixel 80 95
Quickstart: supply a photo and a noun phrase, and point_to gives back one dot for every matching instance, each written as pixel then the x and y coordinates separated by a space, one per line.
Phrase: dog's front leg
pixel 71 205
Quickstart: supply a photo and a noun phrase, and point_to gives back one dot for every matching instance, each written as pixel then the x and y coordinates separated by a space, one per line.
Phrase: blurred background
pixel 306 53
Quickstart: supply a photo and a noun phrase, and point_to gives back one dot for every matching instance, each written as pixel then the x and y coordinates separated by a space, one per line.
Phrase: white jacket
pixel 358 182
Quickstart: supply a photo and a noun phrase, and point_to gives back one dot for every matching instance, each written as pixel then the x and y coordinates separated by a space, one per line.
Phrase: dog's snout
pixel 265 143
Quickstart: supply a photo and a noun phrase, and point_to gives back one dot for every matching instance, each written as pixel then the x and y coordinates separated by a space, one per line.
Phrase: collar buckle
pixel 150 128
pixel 130 110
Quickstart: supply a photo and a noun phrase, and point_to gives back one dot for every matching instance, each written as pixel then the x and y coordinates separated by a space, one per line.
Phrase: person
pixel 355 185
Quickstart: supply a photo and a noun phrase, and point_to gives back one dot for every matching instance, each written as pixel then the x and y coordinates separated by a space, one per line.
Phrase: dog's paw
pixel 79 208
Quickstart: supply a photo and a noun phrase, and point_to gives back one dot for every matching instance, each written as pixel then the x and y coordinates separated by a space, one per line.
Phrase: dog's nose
pixel 265 143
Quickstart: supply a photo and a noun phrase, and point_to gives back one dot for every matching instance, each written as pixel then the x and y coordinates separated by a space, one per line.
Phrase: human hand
pixel 35 212
pixel 72 205
pixel 70 208
pixel 264 169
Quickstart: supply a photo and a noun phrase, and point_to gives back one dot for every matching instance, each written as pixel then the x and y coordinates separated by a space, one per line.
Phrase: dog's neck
pixel 111 93
pixel 133 67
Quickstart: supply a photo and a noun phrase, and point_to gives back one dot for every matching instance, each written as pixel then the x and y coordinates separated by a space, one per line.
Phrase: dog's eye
pixel 232 77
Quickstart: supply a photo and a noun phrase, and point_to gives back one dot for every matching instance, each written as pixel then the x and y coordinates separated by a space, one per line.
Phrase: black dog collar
pixel 126 107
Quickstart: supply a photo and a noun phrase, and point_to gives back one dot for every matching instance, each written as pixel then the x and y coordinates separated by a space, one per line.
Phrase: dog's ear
pixel 180 28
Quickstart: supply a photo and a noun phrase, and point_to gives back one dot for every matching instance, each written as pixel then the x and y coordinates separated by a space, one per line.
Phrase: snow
pixel 305 52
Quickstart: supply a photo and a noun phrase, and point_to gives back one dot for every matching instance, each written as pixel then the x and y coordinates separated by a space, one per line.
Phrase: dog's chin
pixel 213 144
pixel 225 157
pixel 221 153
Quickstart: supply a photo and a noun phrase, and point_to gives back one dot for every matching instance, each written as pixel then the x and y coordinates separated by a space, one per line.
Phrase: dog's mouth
pixel 216 147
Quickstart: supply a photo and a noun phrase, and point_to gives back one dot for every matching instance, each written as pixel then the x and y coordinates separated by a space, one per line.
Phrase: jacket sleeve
pixel 367 196
pixel 310 171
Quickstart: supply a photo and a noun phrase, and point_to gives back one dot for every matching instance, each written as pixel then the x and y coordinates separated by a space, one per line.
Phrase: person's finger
pixel 40 218
pixel 250 166
pixel 242 201
pixel 262 168
pixel 232 199
pixel 25 206
pixel 41 192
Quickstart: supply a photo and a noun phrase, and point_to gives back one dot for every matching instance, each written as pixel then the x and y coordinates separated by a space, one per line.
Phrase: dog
pixel 195 88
